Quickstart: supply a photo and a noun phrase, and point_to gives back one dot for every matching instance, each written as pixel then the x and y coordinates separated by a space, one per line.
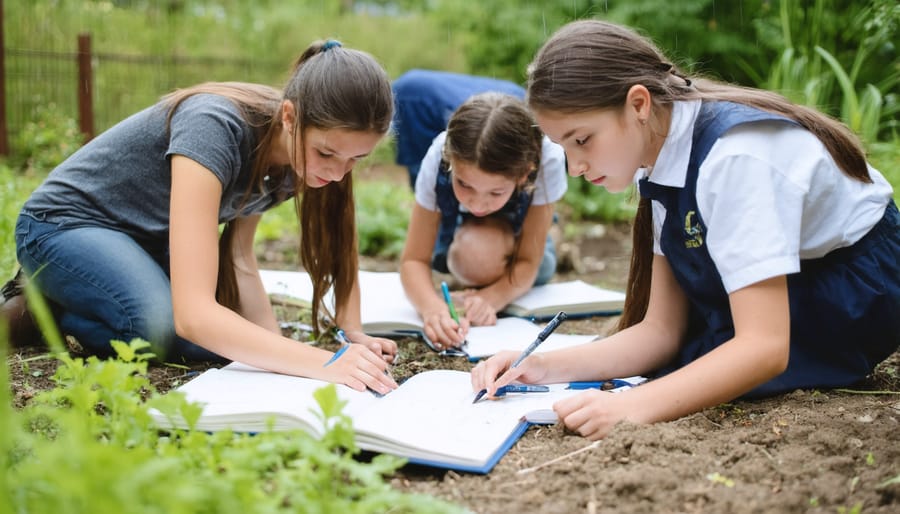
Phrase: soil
pixel 806 451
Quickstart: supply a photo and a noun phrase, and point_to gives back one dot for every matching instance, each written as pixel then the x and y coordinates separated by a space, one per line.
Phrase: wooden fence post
pixel 4 134
pixel 85 87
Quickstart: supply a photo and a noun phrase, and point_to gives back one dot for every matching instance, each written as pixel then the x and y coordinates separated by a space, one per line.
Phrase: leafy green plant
pixel 585 201
pixel 90 445
pixel 382 212
pixel 863 111
pixel 46 140
pixel 811 63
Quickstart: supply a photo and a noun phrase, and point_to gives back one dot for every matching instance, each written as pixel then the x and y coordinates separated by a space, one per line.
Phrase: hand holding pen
pixel 379 345
pixel 444 327
pixel 484 375
pixel 358 367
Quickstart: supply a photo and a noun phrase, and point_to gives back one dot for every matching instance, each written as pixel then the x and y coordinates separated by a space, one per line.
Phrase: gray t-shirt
pixel 122 178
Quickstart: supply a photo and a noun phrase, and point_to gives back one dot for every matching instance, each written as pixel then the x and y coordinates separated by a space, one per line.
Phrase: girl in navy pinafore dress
pixel 765 249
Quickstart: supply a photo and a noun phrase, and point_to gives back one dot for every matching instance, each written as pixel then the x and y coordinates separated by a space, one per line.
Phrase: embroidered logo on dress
pixel 693 232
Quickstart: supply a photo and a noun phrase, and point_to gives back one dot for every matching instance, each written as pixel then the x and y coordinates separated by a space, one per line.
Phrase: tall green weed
pixel 813 71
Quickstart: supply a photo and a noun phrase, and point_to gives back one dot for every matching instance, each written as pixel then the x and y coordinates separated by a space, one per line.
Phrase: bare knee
pixel 480 251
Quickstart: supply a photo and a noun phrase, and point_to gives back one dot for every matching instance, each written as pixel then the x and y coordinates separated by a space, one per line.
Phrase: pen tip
pixel 479 395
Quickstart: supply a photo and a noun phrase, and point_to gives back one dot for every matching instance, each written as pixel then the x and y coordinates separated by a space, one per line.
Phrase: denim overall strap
pixel 513 211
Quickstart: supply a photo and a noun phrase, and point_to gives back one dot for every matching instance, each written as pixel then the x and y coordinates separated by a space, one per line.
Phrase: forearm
pixel 637 350
pixel 722 375
pixel 228 334
pixel 416 278
pixel 349 314
pixel 255 304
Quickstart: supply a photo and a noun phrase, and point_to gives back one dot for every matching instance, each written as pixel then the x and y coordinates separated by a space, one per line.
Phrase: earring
pixel 643 121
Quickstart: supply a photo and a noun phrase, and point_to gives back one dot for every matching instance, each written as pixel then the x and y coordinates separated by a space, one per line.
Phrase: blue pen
pixel 336 355
pixel 342 338
pixel 521 388
pixel 541 337
pixel 545 333
pixel 345 341
pixel 605 385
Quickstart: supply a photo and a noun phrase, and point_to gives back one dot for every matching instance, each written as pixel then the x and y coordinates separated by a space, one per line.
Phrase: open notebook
pixel 386 311
pixel 430 419
pixel 576 297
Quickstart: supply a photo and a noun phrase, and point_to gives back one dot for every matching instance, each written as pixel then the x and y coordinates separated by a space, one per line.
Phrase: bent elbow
pixel 779 357
pixel 187 324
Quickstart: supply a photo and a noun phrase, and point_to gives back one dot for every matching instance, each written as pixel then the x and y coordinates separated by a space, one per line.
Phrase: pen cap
pixel 554 323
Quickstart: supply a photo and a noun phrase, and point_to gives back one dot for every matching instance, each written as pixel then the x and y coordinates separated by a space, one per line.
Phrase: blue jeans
pixel 105 284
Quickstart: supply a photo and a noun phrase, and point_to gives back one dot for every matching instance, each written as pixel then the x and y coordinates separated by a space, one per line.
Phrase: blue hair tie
pixel 331 43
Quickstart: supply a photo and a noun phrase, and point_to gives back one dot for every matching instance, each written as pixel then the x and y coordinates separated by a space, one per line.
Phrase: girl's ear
pixel 638 103
pixel 288 116
pixel 523 180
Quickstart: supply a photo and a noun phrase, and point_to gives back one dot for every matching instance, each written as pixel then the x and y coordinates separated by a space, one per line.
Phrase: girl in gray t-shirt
pixel 124 236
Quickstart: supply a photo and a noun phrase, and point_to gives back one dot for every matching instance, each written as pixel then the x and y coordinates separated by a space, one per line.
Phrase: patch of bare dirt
pixel 807 451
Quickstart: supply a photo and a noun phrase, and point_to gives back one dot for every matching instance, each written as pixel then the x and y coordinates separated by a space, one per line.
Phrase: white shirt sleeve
pixel 551 182
pixel 771 196
pixel 427 178
pixel 752 214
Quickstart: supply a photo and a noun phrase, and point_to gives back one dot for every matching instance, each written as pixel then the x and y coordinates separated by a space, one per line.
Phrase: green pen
pixel 449 301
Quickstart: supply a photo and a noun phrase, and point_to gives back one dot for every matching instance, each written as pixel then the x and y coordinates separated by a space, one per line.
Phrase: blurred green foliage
pixel 837 55
pixel 45 141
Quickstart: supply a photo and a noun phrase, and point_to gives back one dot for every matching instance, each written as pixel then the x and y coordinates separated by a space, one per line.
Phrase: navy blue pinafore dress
pixel 844 307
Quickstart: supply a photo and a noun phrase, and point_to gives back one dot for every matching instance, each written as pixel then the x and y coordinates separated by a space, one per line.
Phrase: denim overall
pixel 844 306
pixel 513 211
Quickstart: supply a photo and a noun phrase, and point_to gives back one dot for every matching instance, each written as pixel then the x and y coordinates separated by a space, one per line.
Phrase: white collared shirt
pixel 769 194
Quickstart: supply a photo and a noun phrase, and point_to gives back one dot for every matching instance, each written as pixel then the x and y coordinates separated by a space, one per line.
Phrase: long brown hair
pixel 591 65
pixel 496 133
pixel 330 87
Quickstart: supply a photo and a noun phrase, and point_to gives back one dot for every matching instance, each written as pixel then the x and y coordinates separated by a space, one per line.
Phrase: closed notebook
pixel 430 419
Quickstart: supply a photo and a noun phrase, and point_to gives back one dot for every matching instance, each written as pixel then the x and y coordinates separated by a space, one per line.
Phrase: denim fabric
pixel 547 268
pixel 106 285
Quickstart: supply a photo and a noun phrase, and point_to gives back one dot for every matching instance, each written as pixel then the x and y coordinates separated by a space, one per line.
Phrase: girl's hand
pixel 592 413
pixel 360 368
pixel 386 348
pixel 443 331
pixel 495 372
pixel 478 311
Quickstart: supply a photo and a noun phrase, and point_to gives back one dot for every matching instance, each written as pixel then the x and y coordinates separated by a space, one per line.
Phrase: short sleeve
pixel 752 214
pixel 551 183
pixel 427 178
pixel 208 129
